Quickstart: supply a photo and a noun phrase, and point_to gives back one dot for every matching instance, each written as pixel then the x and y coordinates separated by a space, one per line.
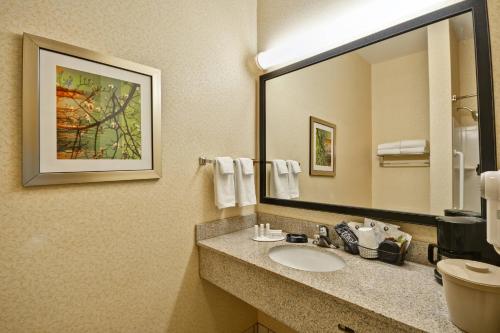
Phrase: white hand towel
pixel 413 143
pixel 245 183
pixel 415 150
pixel 246 165
pixel 279 181
pixel 293 178
pixel 282 167
pixel 225 165
pixel 293 166
pixel 390 145
pixel 392 151
pixel 224 182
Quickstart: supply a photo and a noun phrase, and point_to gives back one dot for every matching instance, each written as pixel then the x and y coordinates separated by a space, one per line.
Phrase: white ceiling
pixel 410 42
pixel 413 41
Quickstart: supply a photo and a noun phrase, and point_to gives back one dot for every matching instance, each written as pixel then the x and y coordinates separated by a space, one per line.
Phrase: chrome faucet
pixel 323 238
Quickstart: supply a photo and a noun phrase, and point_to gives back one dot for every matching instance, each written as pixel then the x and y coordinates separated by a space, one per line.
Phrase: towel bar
pixel 408 160
pixel 202 160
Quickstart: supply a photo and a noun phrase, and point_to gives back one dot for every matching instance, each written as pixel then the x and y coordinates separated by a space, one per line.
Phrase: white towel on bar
pixel 224 182
pixel 245 183
pixel 390 145
pixel 246 165
pixel 413 143
pixel 279 180
pixel 293 178
pixel 389 151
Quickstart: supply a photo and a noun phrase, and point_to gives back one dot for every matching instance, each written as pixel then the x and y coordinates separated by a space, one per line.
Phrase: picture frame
pixel 87 117
pixel 322 156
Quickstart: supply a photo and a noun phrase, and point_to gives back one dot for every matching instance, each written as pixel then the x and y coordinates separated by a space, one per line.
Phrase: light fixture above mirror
pixel 354 19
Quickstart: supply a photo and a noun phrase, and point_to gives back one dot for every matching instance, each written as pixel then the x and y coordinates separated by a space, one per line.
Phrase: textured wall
pixel 120 257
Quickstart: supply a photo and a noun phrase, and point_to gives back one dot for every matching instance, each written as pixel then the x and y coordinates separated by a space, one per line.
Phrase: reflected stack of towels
pixel 285 179
pixel 405 147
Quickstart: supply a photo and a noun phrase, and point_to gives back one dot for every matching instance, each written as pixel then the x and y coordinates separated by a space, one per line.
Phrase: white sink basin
pixel 306 258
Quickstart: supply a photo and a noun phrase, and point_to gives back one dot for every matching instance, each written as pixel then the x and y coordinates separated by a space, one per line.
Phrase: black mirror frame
pixel 487 134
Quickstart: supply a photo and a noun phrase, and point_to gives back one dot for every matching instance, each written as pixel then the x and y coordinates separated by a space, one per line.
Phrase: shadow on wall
pixel 196 295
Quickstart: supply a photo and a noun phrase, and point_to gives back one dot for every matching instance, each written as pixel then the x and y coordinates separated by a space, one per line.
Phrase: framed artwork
pixel 322 148
pixel 87 117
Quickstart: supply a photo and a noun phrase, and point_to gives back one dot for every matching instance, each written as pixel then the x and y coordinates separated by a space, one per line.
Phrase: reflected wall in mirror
pixel 406 116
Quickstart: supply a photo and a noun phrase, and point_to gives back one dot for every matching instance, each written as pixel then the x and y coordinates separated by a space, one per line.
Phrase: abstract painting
pixel 98 117
pixel 322 148
pixel 88 117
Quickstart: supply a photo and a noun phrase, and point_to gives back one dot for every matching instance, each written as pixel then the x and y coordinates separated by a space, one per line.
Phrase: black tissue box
pixel 389 251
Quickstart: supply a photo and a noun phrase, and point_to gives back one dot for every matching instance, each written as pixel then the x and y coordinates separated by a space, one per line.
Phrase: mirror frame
pixel 486 124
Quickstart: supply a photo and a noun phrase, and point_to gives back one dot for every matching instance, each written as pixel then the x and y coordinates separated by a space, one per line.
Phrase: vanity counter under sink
pixel 364 295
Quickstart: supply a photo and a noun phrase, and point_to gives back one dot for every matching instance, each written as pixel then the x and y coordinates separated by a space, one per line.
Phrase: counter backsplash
pixel 416 253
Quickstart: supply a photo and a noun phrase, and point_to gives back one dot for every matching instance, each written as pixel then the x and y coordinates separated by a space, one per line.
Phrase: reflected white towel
pixel 413 143
pixel 393 151
pixel 279 181
pixel 224 182
pixel 244 182
pixel 390 145
pixel 293 166
pixel 293 178
pixel 282 167
pixel 415 150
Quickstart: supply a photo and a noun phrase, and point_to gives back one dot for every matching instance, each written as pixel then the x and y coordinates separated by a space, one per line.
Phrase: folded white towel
pixel 393 151
pixel 390 145
pixel 293 166
pixel 279 181
pixel 225 165
pixel 246 165
pixel 293 178
pixel 224 182
pixel 282 167
pixel 415 150
pixel 413 143
pixel 245 184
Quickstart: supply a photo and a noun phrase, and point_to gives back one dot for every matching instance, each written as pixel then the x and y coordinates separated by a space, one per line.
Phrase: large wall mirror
pixel 396 126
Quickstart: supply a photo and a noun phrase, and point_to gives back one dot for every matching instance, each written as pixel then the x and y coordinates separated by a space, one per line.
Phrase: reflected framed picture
pixel 322 148
pixel 87 117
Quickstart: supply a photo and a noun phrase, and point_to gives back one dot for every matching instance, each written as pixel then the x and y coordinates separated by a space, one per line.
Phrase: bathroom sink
pixel 306 258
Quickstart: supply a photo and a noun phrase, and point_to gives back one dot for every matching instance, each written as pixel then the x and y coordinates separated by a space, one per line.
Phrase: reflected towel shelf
pixel 405 160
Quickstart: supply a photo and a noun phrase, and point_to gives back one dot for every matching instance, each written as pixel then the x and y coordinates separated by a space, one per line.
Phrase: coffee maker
pixel 458 237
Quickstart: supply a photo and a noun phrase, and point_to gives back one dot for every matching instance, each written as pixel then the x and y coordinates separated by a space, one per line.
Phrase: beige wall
pixel 440 90
pixel 337 91
pixel 120 257
pixel 494 25
pixel 467 79
pixel 400 95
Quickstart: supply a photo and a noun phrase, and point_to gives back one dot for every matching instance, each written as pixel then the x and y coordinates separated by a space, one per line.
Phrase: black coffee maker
pixel 458 237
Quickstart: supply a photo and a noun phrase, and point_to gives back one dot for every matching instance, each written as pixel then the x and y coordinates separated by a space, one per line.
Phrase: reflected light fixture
pixel 350 20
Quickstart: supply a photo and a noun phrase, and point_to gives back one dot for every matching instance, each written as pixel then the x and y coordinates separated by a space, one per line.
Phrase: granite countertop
pixel 407 294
